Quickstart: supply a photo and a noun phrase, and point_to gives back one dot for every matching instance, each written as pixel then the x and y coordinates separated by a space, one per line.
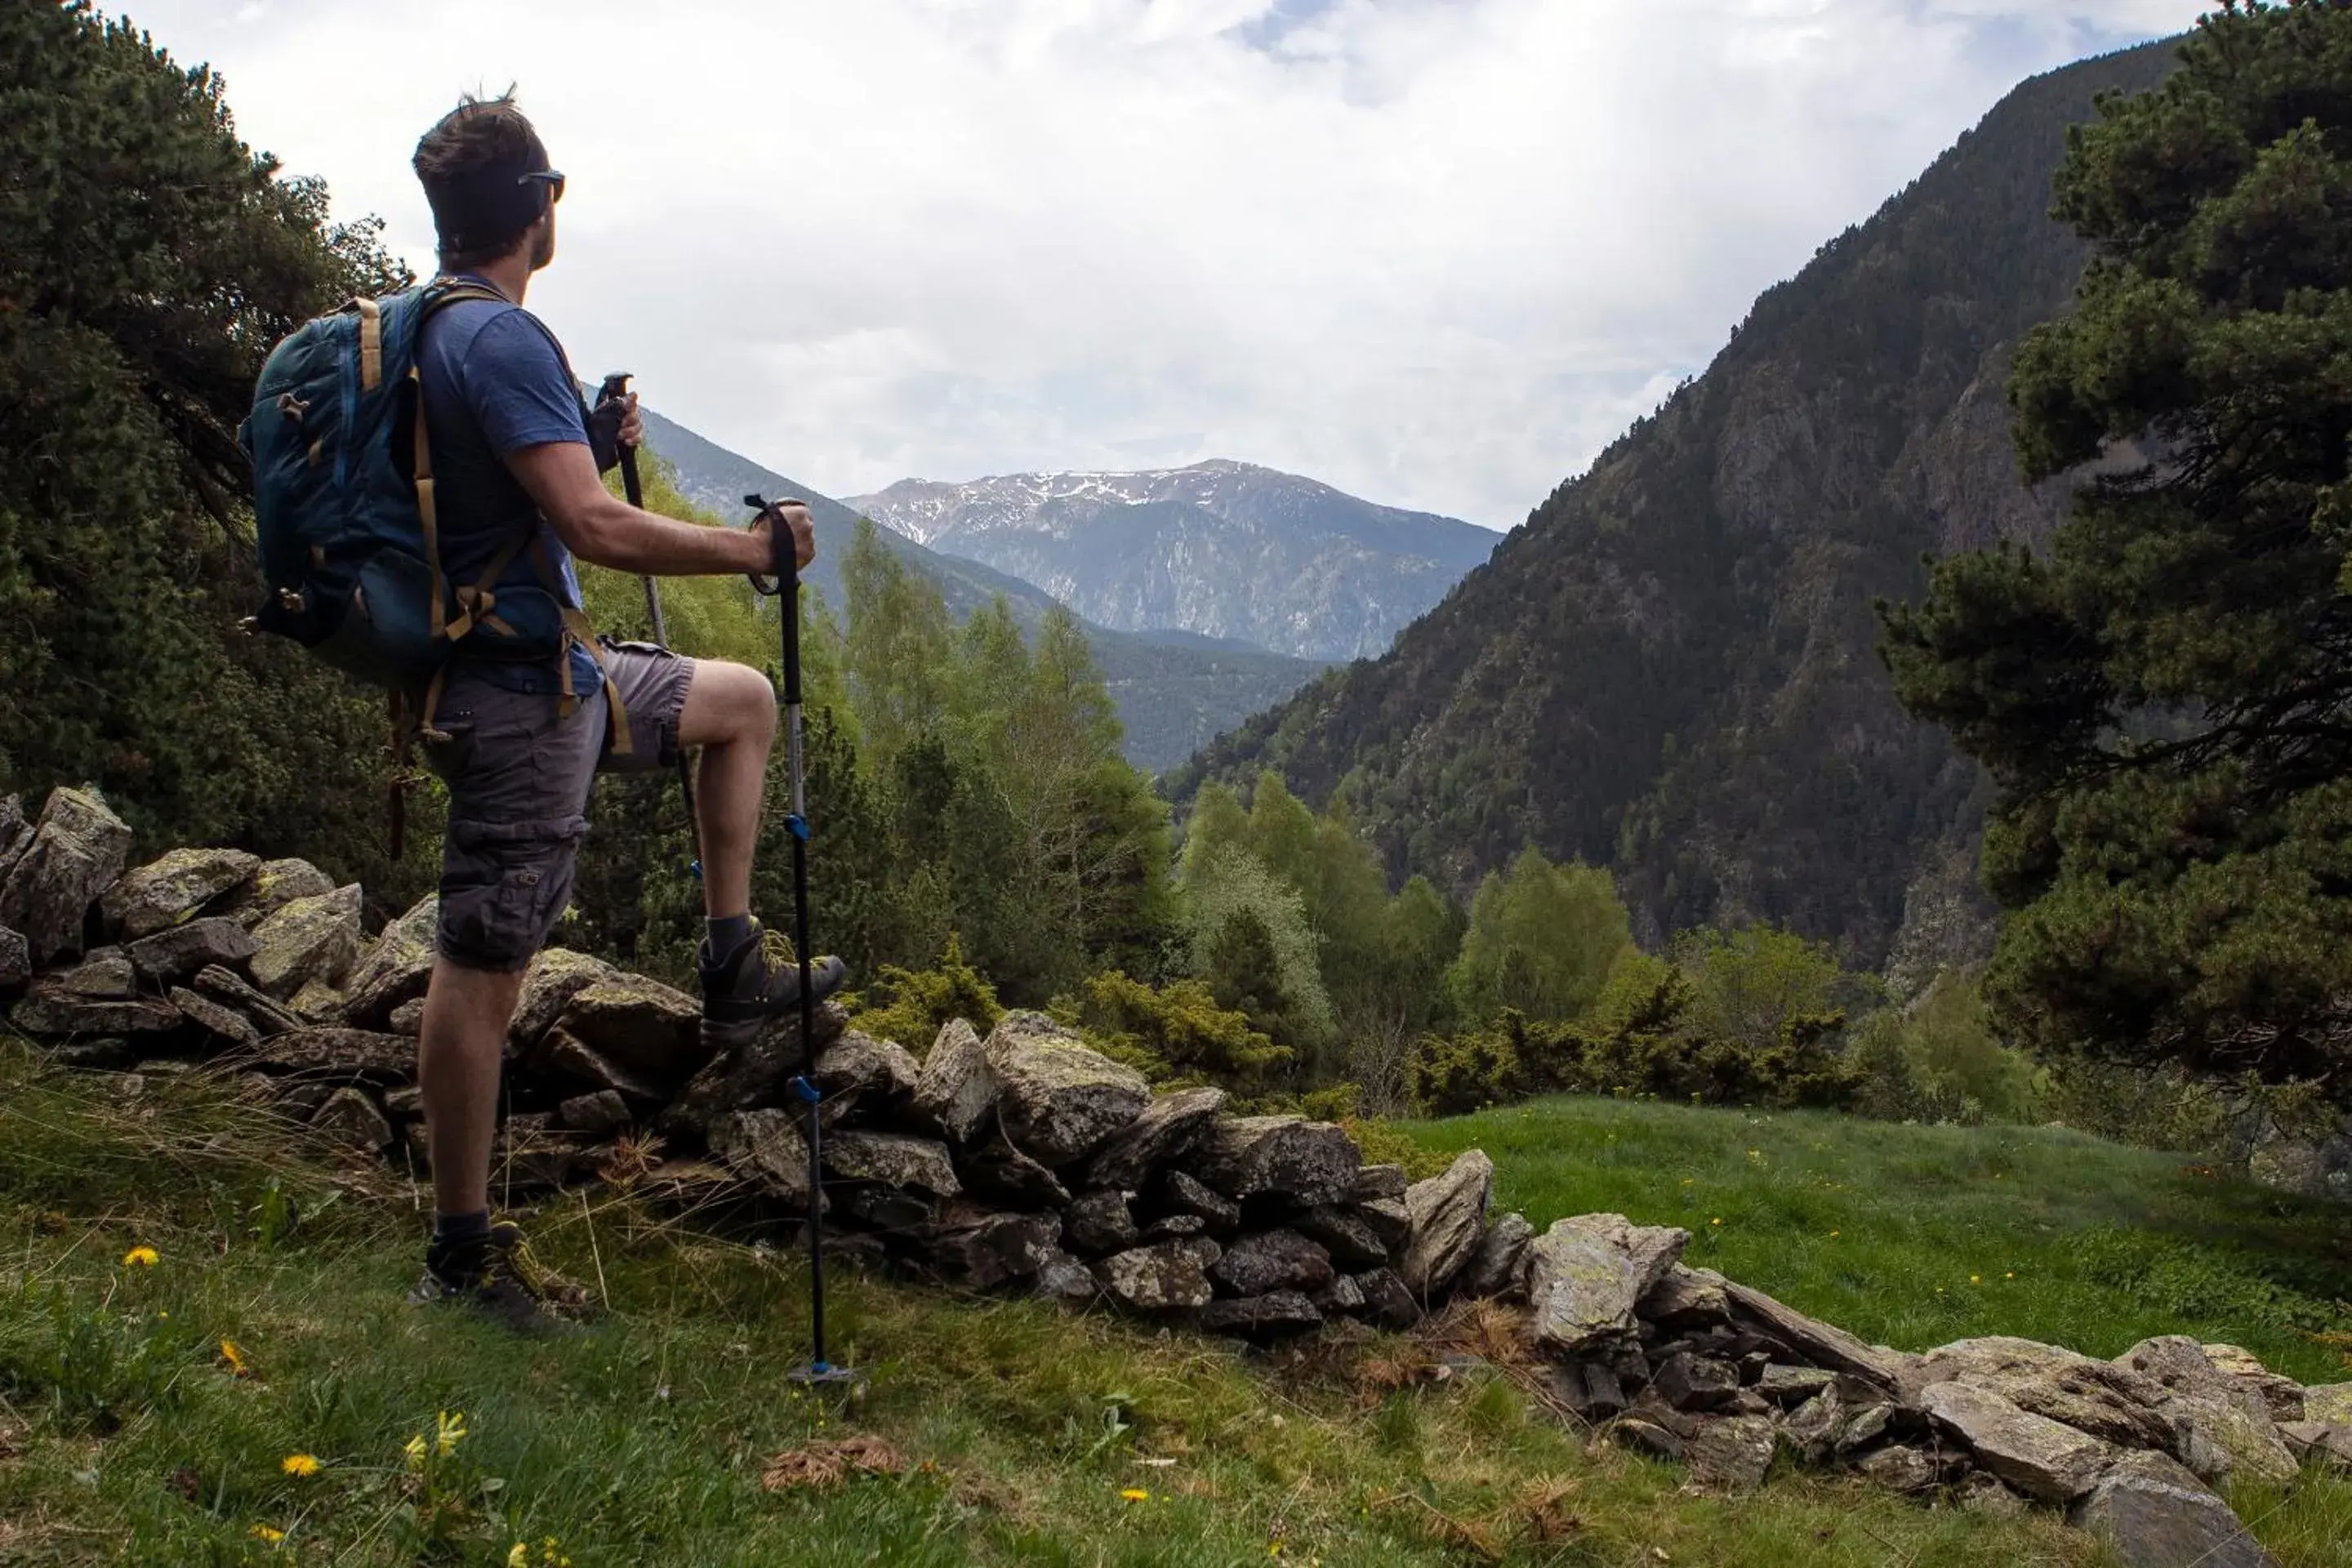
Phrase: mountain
pixel 1670 670
pixel 1227 549
pixel 1174 692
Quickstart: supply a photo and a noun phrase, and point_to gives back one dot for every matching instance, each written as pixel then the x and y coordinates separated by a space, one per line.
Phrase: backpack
pixel 343 509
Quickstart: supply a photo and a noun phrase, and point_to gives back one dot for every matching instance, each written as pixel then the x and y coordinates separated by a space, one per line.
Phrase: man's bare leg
pixel 459 1046
pixel 730 713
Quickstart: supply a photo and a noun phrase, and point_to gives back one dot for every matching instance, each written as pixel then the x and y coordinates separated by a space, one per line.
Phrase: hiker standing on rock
pixel 515 457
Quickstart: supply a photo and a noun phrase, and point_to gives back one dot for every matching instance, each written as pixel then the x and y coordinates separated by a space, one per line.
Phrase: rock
pixel 1586 1273
pixel 561 1051
pixel 2282 1395
pixel 49 1008
pixel 757 1072
pixel 106 1054
pixel 2154 1514
pixel 1308 1162
pixel 1449 1221
pixel 1817 1343
pixel 1270 1316
pixel 175 954
pixel 1165 1132
pixel 766 1148
pixel 1272 1260
pixel 643 1025
pixel 893 1159
pixel 1792 1385
pixel 995 1249
pixel 1898 1467
pixel 317 1003
pixel 2328 1402
pixel 2093 1396
pixel 316 938
pixel 1686 1297
pixel 1498 1268
pixel 1387 1302
pixel 400 957
pixel 603 1111
pixel 1170 1276
pixel 266 1015
pixel 1388 1219
pixel 1058 1100
pixel 16 834
pixel 1169 1226
pixel 166 891
pixel 1645 1437
pixel 1341 1298
pixel 349 1120
pixel 1099 1223
pixel 16 959
pixel 1687 1382
pixel 1352 1240
pixel 105 975
pixel 2033 1453
pixel 225 1023
pixel 408 1018
pixel 954 1092
pixel 880 1072
pixel 76 852
pixel 1178 1192
pixel 2223 1426
pixel 398 1102
pixel 1988 1494
pixel 1062 1278
pixel 1731 1453
pixel 273 885
pixel 2320 1442
pixel 1379 1182
pixel 556 975
pixel 332 1053
pixel 997 1170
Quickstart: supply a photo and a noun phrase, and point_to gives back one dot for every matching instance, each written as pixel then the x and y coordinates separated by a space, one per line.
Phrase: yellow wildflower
pixel 1715 1222
pixel 415 1450
pixel 140 1257
pixel 450 1432
pixel 263 1532
pixel 520 1557
pixel 1976 1279
pixel 236 1359
pixel 1134 1494
pixel 299 1465
pixel 1833 1235
pixel 2010 1275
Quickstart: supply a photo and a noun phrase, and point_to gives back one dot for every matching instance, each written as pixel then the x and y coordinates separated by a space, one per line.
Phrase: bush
pixel 1940 1060
pixel 1177 1030
pixel 911 1006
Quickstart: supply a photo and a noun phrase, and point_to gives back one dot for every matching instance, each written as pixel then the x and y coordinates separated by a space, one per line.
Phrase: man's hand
pixel 633 424
pixel 796 518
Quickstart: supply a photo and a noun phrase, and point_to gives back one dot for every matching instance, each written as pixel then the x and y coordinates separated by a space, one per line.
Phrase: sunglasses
pixel 551 178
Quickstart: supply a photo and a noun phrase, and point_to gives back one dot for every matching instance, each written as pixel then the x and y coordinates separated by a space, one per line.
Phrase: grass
pixel 1020 1436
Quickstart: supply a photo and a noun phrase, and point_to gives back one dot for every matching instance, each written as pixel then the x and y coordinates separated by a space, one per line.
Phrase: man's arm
pixel 598 526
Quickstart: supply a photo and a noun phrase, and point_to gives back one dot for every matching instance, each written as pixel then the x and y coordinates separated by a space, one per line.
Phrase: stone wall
pixel 1026 1163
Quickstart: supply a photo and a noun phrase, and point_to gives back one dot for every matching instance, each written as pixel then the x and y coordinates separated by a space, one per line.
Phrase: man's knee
pixel 729 703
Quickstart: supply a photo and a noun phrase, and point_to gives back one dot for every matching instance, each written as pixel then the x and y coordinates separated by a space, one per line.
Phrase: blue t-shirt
pixel 494 381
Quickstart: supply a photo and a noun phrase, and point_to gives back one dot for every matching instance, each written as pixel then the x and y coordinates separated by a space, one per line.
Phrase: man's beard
pixel 542 246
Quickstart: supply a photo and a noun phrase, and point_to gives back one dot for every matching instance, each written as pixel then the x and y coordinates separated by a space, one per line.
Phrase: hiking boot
pixel 499 1278
pixel 758 980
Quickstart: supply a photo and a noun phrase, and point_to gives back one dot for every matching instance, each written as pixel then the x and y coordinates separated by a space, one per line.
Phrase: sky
pixel 1437 253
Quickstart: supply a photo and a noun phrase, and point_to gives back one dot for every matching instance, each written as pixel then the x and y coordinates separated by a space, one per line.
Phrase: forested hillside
pixel 1670 670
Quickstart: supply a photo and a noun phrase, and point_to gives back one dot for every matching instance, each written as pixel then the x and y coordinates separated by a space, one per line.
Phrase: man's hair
pixel 480 136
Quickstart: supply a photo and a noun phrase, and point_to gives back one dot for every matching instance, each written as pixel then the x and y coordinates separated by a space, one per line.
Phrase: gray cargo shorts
pixel 519 778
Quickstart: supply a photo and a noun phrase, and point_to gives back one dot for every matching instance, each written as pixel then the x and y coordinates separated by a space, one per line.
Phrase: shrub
pixel 911 1006
pixel 1178 1027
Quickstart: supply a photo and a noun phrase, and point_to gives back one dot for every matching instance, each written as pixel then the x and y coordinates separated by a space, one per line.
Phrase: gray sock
pixel 725 934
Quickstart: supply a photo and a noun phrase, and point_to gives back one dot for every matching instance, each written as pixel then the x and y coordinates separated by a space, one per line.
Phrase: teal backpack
pixel 343 509
pixel 351 555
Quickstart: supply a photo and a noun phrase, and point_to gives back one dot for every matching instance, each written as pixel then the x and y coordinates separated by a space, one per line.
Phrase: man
pixel 519 739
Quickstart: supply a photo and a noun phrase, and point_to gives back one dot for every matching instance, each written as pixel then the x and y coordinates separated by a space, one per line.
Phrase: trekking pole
pixel 785 587
pixel 617 385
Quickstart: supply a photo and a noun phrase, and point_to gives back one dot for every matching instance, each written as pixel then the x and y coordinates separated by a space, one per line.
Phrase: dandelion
pixel 236 1359
pixel 450 1431
pixel 1136 1494
pixel 263 1532
pixel 1715 1222
pixel 2010 1275
pixel 1976 1279
pixel 299 1465
pixel 1835 1234
pixel 140 1257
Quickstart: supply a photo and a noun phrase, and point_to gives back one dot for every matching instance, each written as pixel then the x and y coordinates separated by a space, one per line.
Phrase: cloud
pixel 1435 252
